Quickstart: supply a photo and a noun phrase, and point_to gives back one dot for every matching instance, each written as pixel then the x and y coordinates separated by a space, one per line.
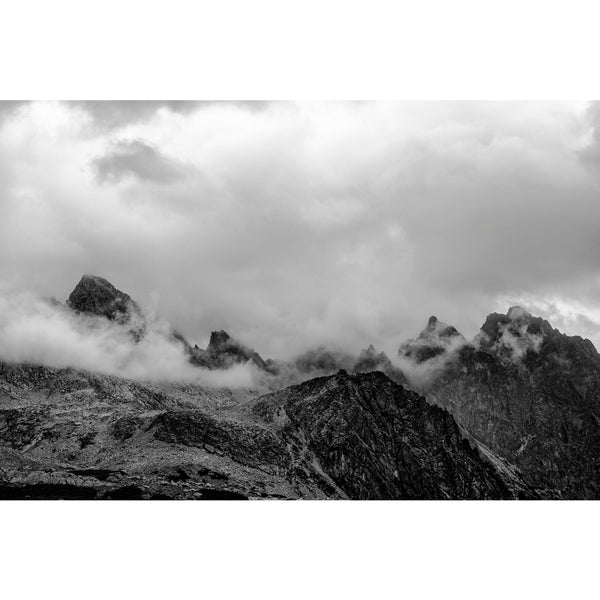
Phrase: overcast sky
pixel 293 225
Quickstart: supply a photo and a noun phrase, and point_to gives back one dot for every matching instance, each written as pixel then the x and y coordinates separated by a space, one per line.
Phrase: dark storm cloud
pixel 293 226
pixel 138 158
pixel 112 114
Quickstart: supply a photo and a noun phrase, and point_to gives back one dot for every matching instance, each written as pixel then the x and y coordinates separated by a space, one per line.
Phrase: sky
pixel 293 225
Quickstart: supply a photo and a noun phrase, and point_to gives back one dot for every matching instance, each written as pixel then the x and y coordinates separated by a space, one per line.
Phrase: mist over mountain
pixel 523 397
pixel 529 392
pixel 232 300
pixel 101 328
pixel 298 225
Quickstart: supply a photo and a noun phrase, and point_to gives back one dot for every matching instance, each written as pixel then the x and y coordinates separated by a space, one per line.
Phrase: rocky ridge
pixel 532 395
pixel 71 434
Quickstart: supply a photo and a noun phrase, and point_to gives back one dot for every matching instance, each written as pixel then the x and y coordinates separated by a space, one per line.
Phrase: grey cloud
pixel 138 158
pixel 113 114
pixel 298 226
pixel 8 108
pixel 590 154
pixel 42 332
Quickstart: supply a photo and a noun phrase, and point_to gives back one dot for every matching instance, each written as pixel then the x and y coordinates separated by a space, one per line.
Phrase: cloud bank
pixel 298 225
pixel 45 332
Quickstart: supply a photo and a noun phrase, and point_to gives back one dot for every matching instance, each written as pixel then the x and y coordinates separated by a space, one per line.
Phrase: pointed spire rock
pixel 97 296
pixel 223 351
pixel 435 339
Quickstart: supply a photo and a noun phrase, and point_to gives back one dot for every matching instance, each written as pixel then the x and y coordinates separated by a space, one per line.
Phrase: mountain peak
pixel 218 340
pixel 223 351
pixel 514 334
pixel 97 296
pixel 434 340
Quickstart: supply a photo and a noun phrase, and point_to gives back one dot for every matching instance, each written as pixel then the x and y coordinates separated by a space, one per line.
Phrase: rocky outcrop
pixel 532 395
pixel 223 352
pixel 377 440
pixel 71 434
pixel 95 295
pixel 371 360
pixel 434 340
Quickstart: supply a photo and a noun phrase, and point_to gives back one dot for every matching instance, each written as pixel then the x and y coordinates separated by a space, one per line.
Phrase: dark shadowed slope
pixel 377 440
pixel 71 434
pixel 97 296
pixel 532 395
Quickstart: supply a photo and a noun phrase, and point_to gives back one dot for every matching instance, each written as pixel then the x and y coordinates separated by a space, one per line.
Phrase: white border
pixel 300 50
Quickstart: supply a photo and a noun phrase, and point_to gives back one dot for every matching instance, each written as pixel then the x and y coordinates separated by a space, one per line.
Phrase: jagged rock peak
pixel 218 340
pixel 363 417
pixel 516 322
pixel 437 328
pixel 434 340
pixel 95 295
pixel 223 351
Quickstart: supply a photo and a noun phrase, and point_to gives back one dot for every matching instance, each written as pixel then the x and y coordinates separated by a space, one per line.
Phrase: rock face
pixel 532 395
pixel 223 352
pixel 95 295
pixel 70 434
pixel 377 440
pixel 524 400
pixel 435 339
pixel 371 360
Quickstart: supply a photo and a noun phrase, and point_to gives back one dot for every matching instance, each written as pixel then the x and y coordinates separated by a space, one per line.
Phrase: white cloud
pixel 300 225
pixel 38 331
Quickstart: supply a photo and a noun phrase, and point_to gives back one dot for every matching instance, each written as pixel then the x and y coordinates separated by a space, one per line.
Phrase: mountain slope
pixel 377 440
pixel 71 434
pixel 532 395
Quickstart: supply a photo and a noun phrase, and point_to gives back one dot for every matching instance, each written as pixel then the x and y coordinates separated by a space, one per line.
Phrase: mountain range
pixel 513 413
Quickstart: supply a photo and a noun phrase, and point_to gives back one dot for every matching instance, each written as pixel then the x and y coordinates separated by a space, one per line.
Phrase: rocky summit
pixel 513 413
pixel 95 295
pixel 530 393
pixel 223 352
pixel 435 339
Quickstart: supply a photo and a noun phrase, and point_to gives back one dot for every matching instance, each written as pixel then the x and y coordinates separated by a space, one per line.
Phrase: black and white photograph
pixel 277 320
pixel 324 300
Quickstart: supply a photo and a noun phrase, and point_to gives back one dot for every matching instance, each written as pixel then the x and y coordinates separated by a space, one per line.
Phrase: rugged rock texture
pixel 96 296
pixel 377 440
pixel 532 395
pixel 71 434
pixel 223 352
pixel 371 360
pixel 435 339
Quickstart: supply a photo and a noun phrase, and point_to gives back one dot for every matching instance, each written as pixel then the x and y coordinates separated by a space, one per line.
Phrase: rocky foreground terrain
pixel 71 434
pixel 512 414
